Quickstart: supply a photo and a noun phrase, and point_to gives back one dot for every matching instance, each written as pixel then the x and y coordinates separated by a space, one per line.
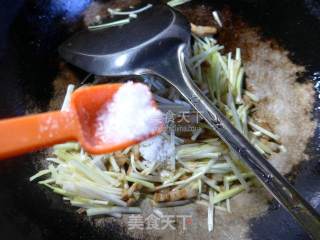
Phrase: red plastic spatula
pixel 29 133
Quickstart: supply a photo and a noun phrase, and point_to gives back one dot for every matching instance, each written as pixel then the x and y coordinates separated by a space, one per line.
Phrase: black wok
pixel 30 32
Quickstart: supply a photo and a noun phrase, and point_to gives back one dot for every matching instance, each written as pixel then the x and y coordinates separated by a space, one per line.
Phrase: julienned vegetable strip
pixel 200 167
pixel 115 12
pixel 40 174
pixel 211 211
pixel 174 3
pixel 110 210
pixel 110 24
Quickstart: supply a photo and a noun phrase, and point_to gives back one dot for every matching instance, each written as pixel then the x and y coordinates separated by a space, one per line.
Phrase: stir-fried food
pixel 185 163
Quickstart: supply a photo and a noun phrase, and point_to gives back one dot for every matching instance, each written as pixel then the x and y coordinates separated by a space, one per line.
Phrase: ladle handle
pixel 277 185
pixel 29 133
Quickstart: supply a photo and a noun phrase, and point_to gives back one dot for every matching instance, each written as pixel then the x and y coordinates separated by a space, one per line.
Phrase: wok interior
pixel 20 196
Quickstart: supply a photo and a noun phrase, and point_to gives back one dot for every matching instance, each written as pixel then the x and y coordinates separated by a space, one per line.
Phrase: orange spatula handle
pixel 24 134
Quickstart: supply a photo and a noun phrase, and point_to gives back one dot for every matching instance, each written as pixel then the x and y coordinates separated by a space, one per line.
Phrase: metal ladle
pixel 157 43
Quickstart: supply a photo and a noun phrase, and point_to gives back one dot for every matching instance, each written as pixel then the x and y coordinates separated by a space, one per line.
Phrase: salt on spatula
pixel 130 115
pixel 103 118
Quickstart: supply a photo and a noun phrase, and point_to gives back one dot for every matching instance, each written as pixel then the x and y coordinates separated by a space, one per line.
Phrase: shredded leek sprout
pixel 130 15
pixel 203 169
pixel 174 3
pixel 217 18
pixel 121 22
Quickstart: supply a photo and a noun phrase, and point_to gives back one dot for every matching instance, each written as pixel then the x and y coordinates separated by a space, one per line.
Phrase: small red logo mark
pixel 189 221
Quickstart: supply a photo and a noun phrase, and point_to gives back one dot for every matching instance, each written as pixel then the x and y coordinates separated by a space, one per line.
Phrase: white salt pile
pixel 157 149
pixel 131 115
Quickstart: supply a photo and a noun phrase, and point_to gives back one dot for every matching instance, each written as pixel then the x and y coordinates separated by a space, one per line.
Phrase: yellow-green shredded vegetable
pixel 201 165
